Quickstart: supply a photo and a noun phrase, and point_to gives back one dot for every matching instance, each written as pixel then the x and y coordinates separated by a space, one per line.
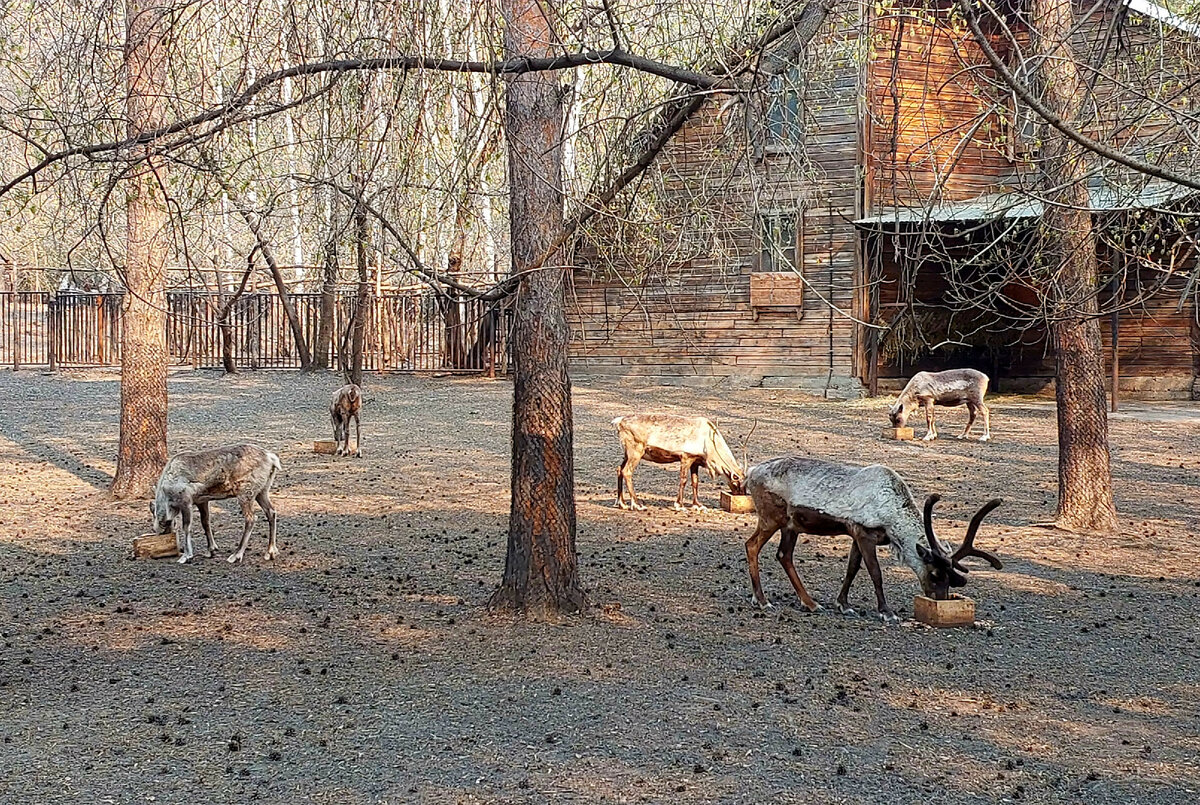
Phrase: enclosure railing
pixel 409 331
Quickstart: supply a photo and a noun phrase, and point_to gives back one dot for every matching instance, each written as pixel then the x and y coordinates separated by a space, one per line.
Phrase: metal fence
pixel 404 332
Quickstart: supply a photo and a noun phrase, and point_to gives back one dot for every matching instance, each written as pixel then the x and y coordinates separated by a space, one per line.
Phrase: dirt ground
pixel 362 667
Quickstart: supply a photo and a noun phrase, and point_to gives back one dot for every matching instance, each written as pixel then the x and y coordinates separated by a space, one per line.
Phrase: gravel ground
pixel 362 668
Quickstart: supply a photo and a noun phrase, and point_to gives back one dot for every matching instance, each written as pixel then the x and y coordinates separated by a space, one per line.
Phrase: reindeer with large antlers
pixel 873 506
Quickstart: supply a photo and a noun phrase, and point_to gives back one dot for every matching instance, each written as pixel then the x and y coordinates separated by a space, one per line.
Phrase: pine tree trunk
pixel 328 301
pixel 142 447
pixel 1085 499
pixel 362 302
pixel 541 578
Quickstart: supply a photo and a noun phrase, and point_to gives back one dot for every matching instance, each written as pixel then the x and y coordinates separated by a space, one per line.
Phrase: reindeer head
pixel 941 572
pixel 163 515
pixel 900 412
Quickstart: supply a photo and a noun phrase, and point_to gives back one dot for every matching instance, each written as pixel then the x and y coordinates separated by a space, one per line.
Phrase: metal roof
pixel 1020 205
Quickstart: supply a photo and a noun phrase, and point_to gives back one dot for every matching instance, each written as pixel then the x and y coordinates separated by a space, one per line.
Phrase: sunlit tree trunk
pixel 1085 499
pixel 541 576
pixel 142 446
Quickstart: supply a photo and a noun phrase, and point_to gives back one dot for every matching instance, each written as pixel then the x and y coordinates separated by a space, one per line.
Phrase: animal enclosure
pixel 362 667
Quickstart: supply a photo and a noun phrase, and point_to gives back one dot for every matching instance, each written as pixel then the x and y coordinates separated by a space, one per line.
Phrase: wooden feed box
pixel 736 504
pixel 956 610
pixel 327 446
pixel 155 546
pixel 899 434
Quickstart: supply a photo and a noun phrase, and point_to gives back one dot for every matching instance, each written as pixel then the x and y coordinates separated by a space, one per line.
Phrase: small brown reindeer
pixel 345 406
pixel 693 441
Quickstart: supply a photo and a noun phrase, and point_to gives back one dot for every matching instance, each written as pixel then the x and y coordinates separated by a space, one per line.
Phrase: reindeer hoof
pixel 234 558
pixel 814 608
pixel 699 507
pixel 358 453
pixel 986 438
pixel 183 560
pixel 889 617
pixel 622 506
pixel 928 438
pixel 849 612
pixel 639 507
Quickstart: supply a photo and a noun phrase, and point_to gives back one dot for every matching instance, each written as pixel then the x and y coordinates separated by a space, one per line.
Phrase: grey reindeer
pixel 873 506
pixel 240 471
pixel 950 388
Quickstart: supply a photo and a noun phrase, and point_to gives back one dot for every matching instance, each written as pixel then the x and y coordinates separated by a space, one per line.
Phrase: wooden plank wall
pixel 688 315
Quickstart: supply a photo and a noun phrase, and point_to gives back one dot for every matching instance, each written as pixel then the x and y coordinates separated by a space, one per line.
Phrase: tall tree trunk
pixel 142 447
pixel 328 301
pixel 541 577
pixel 362 303
pixel 223 324
pixel 1085 499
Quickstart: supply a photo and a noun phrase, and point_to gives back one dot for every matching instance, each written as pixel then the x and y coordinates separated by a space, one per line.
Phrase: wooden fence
pixel 405 332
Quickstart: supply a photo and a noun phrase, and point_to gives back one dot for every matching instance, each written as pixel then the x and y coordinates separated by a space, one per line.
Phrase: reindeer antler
pixel 745 444
pixel 934 544
pixel 968 544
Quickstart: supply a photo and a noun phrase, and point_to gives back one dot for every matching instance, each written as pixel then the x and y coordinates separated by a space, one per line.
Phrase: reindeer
pixel 346 405
pixel 950 388
pixel 693 441
pixel 873 505
pixel 240 471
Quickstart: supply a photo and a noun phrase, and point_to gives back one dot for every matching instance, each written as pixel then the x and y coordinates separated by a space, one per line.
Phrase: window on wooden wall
pixel 783 121
pixel 1024 128
pixel 776 281
pixel 781 235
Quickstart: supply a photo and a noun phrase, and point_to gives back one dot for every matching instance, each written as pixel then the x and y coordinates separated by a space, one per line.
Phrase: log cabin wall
pixel 938 132
pixel 692 298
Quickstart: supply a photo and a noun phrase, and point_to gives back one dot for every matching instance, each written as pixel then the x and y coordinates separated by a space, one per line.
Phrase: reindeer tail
pixel 617 421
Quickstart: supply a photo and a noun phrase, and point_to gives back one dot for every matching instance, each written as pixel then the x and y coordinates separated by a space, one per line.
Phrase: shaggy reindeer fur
pixel 873 505
pixel 950 388
pixel 693 441
pixel 345 406
pixel 239 471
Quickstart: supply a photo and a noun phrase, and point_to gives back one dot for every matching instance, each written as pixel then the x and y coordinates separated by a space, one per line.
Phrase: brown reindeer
pixel 693 441
pixel 346 405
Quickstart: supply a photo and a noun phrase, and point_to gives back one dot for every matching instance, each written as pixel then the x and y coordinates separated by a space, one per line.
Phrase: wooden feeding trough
pixel 898 434
pixel 736 504
pixel 957 610
pixel 155 546
pixel 326 446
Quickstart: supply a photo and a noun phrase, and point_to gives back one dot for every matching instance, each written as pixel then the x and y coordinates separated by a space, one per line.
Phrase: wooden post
pixel 52 333
pixel 1115 335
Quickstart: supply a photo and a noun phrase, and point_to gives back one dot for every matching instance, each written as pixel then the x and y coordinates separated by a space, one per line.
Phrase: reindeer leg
pixel 185 521
pixel 852 567
pixel 264 501
pixel 683 474
pixel 987 423
pixel 621 484
pixel 631 462
pixel 766 529
pixel 787 544
pixel 970 421
pixel 930 428
pixel 871 560
pixel 206 524
pixel 357 437
pixel 696 504
pixel 248 517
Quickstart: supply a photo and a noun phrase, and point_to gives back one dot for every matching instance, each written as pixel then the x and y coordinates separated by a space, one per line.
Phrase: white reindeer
pixel 693 441
pixel 240 471
pixel 873 505
pixel 950 388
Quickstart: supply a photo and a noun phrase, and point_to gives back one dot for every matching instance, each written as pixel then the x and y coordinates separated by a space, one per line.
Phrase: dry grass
pixel 362 669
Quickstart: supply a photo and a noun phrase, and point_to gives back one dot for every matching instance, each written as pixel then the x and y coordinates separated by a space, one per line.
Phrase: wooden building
pixel 835 232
